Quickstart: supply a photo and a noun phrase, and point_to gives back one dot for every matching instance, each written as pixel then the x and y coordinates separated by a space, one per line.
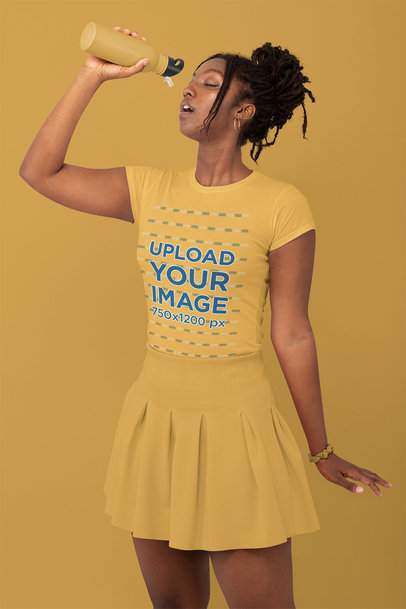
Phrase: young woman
pixel 203 464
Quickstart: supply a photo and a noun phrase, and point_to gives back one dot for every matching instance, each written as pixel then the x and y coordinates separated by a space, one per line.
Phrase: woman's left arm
pixel 290 277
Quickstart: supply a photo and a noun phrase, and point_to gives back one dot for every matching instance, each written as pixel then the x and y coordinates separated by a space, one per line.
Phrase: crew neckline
pixel 225 187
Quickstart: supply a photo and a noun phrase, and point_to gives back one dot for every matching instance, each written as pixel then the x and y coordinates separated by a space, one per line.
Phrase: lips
pixel 190 106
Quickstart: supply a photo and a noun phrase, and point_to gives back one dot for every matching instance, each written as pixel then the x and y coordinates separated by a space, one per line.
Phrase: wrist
pixel 90 75
pixel 321 455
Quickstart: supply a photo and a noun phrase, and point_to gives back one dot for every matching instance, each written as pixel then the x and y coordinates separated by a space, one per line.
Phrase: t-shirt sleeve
pixel 292 216
pixel 140 178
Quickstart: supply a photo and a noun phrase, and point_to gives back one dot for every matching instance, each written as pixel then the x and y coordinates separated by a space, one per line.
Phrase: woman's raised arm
pixel 103 192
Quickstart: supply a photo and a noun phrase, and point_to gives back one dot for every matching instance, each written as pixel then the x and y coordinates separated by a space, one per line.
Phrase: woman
pixel 203 463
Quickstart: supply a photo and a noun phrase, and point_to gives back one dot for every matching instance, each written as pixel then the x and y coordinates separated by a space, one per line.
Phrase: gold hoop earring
pixel 238 120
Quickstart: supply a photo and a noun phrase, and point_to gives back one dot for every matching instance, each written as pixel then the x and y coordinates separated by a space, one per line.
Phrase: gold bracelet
pixel 321 455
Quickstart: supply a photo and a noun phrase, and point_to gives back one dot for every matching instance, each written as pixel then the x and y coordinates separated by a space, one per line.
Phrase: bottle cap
pixel 174 66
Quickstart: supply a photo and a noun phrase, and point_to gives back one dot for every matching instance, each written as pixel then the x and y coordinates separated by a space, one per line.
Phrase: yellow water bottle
pixel 111 45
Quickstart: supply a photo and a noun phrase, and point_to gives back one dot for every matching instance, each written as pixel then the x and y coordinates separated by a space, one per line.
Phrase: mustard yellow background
pixel 74 319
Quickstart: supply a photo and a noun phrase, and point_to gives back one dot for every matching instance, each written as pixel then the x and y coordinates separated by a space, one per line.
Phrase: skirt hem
pixel 209 547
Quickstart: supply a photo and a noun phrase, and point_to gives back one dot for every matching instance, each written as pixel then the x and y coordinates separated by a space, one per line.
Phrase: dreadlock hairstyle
pixel 273 79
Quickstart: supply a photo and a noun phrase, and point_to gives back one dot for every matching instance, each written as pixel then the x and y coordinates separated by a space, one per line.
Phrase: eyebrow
pixel 210 70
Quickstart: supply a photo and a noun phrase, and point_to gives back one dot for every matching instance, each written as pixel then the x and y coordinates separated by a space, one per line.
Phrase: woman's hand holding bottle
pixel 105 70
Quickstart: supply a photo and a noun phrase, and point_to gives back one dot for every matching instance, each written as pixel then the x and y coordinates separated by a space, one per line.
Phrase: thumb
pixel 136 68
pixel 141 63
pixel 350 486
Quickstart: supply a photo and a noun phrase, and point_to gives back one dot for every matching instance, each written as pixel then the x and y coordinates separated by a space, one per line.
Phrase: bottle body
pixel 113 46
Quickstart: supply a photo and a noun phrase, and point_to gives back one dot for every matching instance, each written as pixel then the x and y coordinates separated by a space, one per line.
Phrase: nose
pixel 187 89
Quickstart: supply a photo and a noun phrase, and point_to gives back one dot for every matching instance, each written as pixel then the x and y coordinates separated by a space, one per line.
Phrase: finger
pixel 136 68
pixel 132 33
pixel 353 488
pixel 135 35
pixel 375 477
pixel 358 475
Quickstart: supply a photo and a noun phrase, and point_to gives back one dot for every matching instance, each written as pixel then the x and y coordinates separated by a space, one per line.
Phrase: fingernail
pixel 390 483
pixel 359 489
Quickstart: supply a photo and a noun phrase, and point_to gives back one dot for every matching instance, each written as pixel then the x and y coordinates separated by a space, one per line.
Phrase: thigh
pixel 258 578
pixel 174 578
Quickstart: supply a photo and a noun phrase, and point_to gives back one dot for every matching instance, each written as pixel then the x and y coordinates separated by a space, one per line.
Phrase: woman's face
pixel 201 92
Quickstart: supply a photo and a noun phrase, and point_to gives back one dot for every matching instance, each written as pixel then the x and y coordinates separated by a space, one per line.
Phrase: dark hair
pixel 273 79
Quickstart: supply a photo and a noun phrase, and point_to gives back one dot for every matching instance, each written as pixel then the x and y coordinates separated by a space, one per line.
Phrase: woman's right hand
pixel 106 70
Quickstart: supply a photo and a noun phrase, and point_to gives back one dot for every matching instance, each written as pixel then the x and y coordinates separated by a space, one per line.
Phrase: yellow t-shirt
pixel 203 254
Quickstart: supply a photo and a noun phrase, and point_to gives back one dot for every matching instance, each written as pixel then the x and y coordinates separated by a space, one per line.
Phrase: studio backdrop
pixel 74 313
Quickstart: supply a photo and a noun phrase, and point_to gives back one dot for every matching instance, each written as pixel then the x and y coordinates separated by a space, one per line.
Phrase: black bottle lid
pixel 174 67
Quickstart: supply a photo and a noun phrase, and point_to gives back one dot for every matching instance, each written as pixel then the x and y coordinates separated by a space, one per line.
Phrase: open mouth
pixel 185 107
pixel 183 113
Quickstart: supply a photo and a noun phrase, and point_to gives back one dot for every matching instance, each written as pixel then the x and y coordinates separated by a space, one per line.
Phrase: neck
pixel 217 166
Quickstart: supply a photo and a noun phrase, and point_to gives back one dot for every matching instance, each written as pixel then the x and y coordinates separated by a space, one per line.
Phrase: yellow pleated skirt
pixel 203 458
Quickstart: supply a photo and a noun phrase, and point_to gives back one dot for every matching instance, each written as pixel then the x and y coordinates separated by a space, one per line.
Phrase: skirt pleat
pixel 203 458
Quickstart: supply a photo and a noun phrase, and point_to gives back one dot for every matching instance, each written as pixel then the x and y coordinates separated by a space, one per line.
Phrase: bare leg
pixel 174 578
pixel 256 578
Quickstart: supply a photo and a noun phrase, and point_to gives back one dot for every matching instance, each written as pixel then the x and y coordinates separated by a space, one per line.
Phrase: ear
pixel 246 112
